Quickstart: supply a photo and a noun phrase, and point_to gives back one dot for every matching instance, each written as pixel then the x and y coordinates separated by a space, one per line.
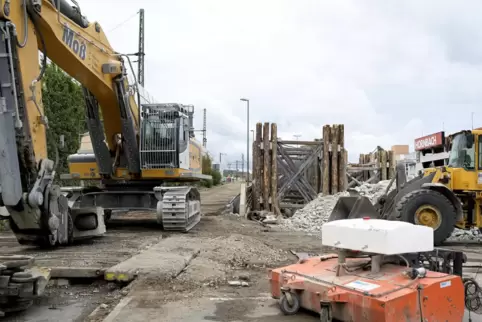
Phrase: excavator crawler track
pixel 179 208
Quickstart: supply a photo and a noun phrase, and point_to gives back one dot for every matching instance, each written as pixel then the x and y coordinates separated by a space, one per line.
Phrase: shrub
pixel 207 183
pixel 216 177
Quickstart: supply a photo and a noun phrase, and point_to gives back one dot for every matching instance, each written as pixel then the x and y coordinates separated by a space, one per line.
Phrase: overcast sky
pixel 390 71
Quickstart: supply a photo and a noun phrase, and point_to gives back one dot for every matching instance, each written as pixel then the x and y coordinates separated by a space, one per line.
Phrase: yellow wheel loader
pixel 442 198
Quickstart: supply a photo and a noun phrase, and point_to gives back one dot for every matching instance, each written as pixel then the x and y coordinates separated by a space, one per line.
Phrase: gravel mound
pixel 316 213
pixel 460 235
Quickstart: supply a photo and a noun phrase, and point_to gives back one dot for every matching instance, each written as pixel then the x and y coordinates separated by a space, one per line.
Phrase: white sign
pixel 427 142
pixel 362 286
pixel 445 284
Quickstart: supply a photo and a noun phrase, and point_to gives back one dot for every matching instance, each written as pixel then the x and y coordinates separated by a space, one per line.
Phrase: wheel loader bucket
pixel 353 207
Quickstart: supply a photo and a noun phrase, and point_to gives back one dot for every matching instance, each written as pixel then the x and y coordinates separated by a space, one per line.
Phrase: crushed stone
pixel 316 213
pixel 460 235
pixel 237 251
pixel 310 218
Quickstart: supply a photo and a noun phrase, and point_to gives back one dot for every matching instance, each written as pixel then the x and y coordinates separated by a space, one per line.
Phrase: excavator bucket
pixel 353 207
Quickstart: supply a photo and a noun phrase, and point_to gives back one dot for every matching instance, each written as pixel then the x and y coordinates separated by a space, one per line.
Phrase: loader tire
pixel 408 206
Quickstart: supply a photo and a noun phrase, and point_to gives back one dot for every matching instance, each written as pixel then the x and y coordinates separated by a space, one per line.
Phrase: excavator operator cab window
pixel 462 154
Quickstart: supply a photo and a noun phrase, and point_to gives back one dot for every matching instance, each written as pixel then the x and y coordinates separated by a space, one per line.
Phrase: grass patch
pixel 4 225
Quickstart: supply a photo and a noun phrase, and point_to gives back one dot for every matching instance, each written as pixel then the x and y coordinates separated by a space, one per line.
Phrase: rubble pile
pixel 316 213
pixel 465 235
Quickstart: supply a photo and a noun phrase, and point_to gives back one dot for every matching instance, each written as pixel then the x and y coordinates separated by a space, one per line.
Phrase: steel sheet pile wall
pixel 334 159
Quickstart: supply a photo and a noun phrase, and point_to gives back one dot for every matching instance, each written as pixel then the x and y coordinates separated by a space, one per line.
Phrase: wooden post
pixel 391 164
pixel 319 173
pixel 361 160
pixel 266 166
pixel 254 195
pixel 370 159
pixel 383 164
pixel 334 159
pixel 326 160
pixel 257 171
pixel 274 168
pixel 342 161
pixel 346 171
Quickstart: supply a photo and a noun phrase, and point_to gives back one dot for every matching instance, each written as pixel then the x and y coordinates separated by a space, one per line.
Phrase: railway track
pixel 128 233
pixel 121 242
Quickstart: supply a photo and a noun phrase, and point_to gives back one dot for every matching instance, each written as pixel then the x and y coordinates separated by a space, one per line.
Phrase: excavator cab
pixel 165 133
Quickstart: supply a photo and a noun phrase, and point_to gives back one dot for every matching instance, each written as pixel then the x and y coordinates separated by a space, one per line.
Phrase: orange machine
pixel 345 290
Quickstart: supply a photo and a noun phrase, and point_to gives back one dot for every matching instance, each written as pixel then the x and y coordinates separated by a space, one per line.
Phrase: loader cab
pixel 465 161
pixel 462 151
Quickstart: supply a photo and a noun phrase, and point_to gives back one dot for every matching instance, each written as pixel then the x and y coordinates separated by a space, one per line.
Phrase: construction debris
pixel 317 212
pixel 376 166
pixel 460 235
pixel 238 283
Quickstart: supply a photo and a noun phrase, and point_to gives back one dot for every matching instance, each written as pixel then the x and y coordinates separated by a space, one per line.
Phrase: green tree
pixel 206 163
pixel 216 177
pixel 64 107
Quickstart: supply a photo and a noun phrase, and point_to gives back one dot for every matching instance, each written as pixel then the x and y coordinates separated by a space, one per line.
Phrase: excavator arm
pixel 39 212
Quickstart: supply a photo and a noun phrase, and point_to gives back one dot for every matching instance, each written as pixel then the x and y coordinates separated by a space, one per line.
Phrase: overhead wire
pixel 124 22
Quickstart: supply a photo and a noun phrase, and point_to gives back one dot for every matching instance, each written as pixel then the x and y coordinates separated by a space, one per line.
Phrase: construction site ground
pixel 180 277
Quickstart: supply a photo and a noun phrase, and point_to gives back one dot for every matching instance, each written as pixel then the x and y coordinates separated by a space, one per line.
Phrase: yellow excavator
pixel 443 198
pixel 138 146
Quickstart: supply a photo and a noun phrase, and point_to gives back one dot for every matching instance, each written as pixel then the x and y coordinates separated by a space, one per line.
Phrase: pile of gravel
pixel 460 235
pixel 316 213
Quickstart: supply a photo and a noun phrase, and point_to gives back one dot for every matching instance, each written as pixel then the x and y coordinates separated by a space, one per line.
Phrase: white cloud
pixel 389 70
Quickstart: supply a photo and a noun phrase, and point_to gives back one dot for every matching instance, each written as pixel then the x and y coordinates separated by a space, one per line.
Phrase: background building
pixel 431 151
pixel 403 155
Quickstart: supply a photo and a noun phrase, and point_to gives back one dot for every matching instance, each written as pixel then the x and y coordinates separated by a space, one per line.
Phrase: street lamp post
pixel 297 136
pixel 252 146
pixel 247 137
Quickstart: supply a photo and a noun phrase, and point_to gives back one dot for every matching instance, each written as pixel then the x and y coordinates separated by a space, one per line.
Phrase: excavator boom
pixel 42 212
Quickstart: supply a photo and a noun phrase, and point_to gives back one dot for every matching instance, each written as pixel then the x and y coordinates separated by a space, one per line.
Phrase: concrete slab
pixel 76 272
pixel 215 199
pixel 162 260
pixel 147 306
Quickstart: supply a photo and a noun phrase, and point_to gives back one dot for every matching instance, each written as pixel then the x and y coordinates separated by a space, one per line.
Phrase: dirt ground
pixel 231 249
pixel 225 247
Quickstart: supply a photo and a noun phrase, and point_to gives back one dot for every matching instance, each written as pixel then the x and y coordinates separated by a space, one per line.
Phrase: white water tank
pixel 377 236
